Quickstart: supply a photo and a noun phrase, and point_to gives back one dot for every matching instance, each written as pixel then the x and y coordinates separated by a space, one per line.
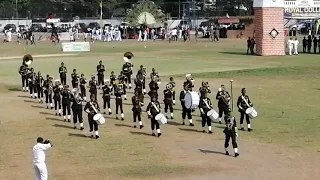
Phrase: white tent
pixel 146 18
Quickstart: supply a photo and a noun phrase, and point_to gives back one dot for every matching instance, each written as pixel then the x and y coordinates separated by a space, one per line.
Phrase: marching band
pixel 57 92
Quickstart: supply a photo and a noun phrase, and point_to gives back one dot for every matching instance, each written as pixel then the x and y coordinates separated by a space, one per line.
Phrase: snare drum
pixel 161 118
pixel 212 114
pixel 251 112
pixel 191 100
pixel 99 118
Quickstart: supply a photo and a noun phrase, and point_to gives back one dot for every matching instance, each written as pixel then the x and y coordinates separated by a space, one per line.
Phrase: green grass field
pixel 288 84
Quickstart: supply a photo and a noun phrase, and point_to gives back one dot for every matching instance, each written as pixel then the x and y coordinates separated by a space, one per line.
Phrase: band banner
pixel 75 46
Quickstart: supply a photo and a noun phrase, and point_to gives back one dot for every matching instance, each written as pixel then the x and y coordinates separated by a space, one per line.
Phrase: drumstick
pixel 231 95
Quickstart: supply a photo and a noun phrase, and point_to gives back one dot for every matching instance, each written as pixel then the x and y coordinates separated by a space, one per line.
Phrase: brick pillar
pixel 266 19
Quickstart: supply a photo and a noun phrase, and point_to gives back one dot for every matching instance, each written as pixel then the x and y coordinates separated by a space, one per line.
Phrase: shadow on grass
pixel 210 152
pixel 14 89
pixel 46 113
pixel 123 125
pixel 190 130
pixel 78 135
pixel 24 96
pixel 30 101
pixel 140 133
pixel 54 119
pixel 174 123
pixel 220 127
pixel 62 126
pixel 40 107
pixel 109 117
pixel 235 53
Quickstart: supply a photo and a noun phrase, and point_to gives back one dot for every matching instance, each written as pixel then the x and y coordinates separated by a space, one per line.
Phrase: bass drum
pixel 191 100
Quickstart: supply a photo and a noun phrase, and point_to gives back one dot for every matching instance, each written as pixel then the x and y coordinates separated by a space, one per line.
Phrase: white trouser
pixel 145 37
pixel 41 171
pixel 290 50
pixel 139 38
pixel 295 49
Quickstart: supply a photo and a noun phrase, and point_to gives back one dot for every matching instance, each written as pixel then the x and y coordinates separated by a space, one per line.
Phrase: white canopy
pixel 146 18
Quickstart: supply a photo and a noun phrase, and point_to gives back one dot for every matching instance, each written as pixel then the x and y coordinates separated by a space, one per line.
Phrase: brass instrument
pixel 189 77
pixel 77 95
pixel 107 82
pixel 27 59
pixel 144 71
pixel 205 84
pixel 169 86
pixel 206 87
pixel 128 56
pixel 225 98
pixel 157 79
pixel 120 87
pixel 57 82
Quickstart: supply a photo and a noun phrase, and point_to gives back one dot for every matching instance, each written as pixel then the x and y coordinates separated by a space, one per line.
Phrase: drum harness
pixel 155 107
pixel 95 110
pixel 205 101
pixel 244 99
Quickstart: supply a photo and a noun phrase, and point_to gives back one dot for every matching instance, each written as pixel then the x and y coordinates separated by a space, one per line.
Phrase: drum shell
pixel 99 119
pixel 213 115
pixel 192 100
pixel 161 118
pixel 251 112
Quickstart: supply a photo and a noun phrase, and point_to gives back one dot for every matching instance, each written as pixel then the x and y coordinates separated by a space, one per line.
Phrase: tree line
pixel 118 8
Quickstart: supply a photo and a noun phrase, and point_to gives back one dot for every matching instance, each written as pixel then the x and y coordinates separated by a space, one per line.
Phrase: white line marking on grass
pixel 37 56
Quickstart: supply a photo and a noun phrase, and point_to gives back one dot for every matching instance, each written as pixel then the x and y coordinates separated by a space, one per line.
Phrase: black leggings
pixel 205 120
pixel 57 102
pixel 83 91
pixel 32 88
pixel 63 80
pixel 106 101
pixel 100 79
pixel 186 112
pixel 223 110
pixel 154 124
pixel 136 114
pixel 128 78
pixel 92 124
pixel 242 114
pixel 40 91
pixel 48 97
pixel 233 139
pixel 144 83
pixel 25 82
pixel 174 95
pixel 119 104
pixel 168 105
pixel 65 108
pixel 77 114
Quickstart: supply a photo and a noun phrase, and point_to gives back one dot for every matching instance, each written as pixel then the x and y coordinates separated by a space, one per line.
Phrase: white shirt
pixel 296 43
pixel 38 152
pixel 290 42
pixel 174 32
